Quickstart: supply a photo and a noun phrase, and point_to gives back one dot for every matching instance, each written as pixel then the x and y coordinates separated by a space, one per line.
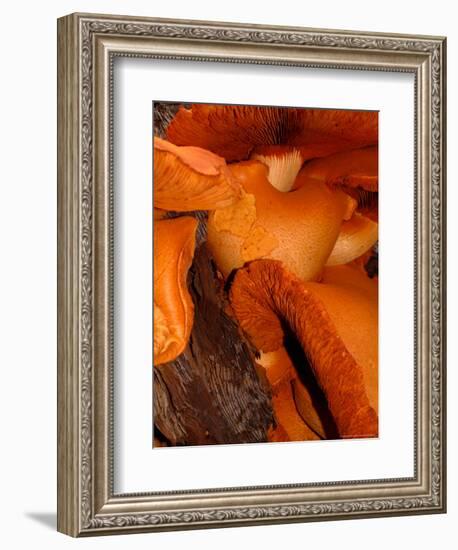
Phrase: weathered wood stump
pixel 211 393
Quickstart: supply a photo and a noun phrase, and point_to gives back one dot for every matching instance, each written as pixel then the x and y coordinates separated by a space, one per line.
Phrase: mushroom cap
pixel 280 372
pixel 191 178
pixel 290 425
pixel 234 131
pixel 265 296
pixel 351 301
pixel 159 214
pixel 357 236
pixel 319 420
pixel 228 130
pixel 356 168
pixel 356 173
pixel 173 251
pixel 299 228
pixel 340 129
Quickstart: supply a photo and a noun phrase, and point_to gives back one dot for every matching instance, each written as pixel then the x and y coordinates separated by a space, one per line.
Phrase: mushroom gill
pixel 228 130
pixel 266 297
pixel 191 178
pixel 173 312
pixel 234 131
pixel 283 165
pixel 339 129
pixel 299 228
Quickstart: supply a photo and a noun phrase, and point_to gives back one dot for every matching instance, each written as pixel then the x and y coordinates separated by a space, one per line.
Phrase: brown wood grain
pixel 211 393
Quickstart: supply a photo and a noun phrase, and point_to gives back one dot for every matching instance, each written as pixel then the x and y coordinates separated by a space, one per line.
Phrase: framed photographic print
pixel 251 281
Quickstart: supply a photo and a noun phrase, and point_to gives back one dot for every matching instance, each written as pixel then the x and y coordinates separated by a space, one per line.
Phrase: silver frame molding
pixel 87 45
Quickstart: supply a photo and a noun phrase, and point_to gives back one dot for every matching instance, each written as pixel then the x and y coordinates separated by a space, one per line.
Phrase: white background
pixel 389 456
pixel 28 274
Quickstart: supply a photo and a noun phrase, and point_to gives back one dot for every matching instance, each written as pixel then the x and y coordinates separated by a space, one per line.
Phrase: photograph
pixel 265 274
pixel 229 248
pixel 248 333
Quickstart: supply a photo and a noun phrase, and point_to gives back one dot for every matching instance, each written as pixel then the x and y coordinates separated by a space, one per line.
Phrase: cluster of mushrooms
pixel 291 221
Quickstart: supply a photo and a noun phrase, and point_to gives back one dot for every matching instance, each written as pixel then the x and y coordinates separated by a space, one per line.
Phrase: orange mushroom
pixel 174 241
pixel 159 214
pixel 295 411
pixel 357 235
pixel 191 178
pixel 283 163
pixel 282 139
pixel 351 300
pixel 290 425
pixel 315 416
pixel 299 228
pixel 277 366
pixel 356 168
pixel 356 173
pixel 265 296
pixel 297 202
pixel 235 131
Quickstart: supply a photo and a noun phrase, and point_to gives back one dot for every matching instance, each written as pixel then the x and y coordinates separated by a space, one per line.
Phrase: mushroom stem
pixel 264 295
pixel 283 164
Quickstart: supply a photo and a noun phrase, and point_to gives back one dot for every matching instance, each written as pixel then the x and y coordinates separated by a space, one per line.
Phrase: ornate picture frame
pixel 87 46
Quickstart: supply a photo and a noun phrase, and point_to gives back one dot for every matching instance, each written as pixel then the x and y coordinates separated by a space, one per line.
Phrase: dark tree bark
pixel 164 111
pixel 211 393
